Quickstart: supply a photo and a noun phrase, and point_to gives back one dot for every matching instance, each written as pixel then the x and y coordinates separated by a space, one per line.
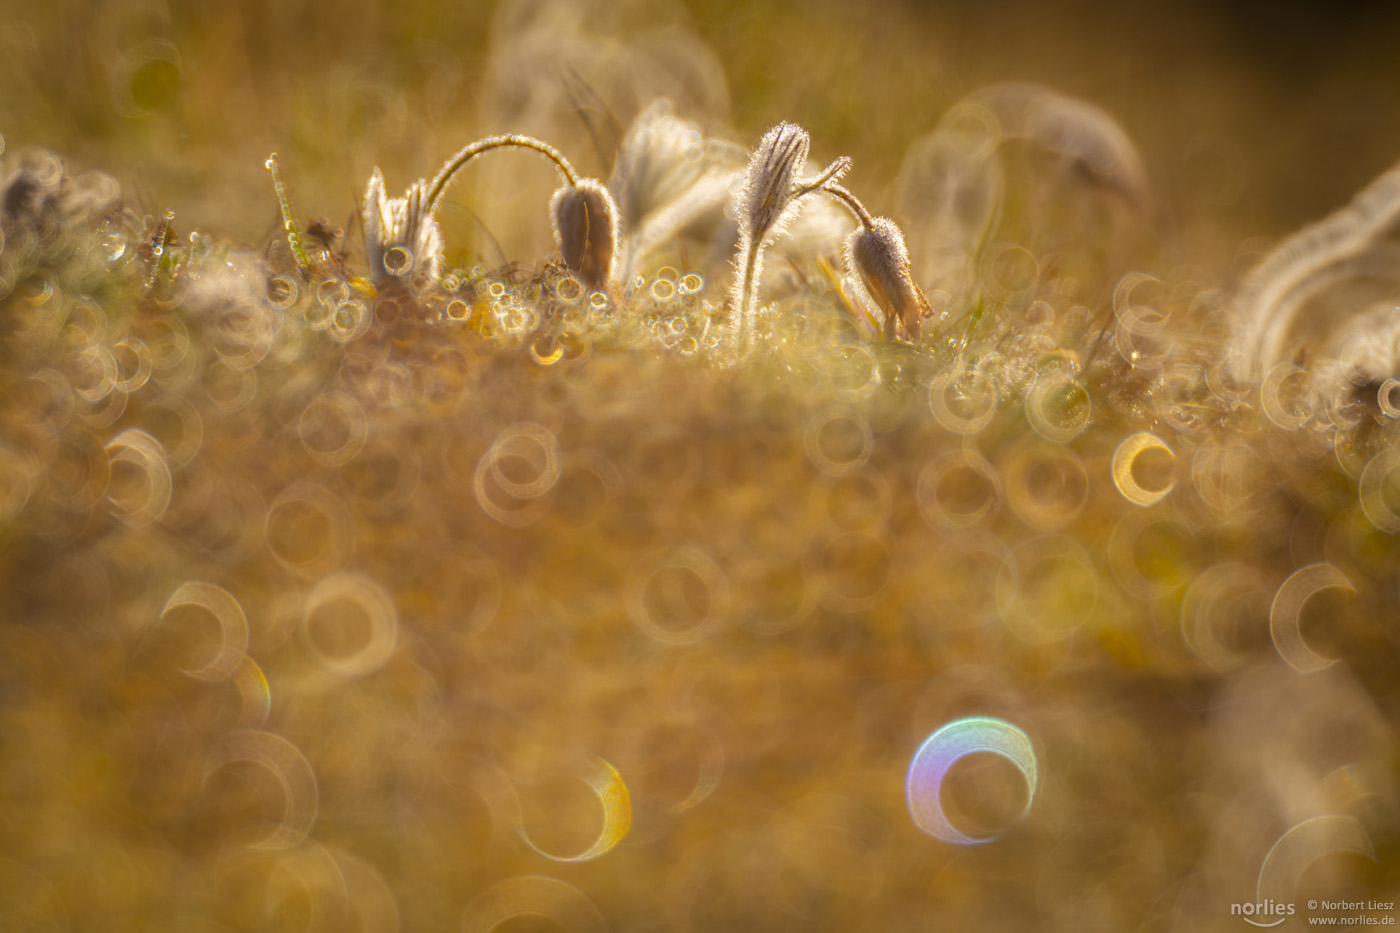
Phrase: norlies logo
pixel 1263 911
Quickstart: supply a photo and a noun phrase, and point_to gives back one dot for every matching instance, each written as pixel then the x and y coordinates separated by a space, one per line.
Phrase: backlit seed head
pixel 403 230
pixel 669 179
pixel 771 180
pixel 879 262
pixel 586 230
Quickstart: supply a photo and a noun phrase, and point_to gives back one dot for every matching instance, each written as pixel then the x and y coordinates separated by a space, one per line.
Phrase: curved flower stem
pixel 851 202
pixel 496 142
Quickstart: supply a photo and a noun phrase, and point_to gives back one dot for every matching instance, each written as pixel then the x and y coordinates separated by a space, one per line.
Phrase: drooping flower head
pixel 879 262
pixel 586 229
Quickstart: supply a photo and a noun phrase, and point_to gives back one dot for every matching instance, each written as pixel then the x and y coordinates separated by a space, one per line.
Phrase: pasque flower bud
pixel 879 262
pixel 771 180
pixel 586 229
pixel 771 186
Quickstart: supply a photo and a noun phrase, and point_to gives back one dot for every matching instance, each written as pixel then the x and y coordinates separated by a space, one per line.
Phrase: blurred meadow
pixel 347 585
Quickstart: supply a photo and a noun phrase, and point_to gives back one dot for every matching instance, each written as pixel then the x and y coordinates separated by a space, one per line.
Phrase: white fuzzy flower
pixel 401 234
pixel 667 179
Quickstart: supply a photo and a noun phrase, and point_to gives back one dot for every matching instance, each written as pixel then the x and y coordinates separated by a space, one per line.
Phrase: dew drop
pixel 398 261
pixel 1388 397
pixel 113 246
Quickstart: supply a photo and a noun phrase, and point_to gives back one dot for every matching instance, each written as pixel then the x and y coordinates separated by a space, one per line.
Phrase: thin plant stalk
pixel 289 218
pixel 852 202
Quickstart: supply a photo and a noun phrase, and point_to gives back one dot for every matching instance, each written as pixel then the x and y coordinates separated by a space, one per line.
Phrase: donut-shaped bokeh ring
pixel 938 754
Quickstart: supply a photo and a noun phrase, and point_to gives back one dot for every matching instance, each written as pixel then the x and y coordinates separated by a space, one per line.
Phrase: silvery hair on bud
pixel 879 263
pixel 586 230
pixel 771 179
pixel 406 223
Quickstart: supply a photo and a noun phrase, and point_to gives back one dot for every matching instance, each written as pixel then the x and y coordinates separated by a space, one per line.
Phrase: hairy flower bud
pixel 586 230
pixel 761 207
pixel 878 260
pixel 401 235
pixel 771 179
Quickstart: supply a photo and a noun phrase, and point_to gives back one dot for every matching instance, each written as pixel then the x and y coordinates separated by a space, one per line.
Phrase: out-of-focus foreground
pixel 346 585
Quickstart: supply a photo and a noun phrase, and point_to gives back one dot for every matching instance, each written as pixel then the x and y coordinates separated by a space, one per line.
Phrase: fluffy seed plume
pixel 669 179
pixel 878 262
pixel 771 186
pixel 586 229
pixel 401 234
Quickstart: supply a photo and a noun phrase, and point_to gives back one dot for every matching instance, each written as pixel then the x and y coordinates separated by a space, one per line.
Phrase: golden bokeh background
pixel 485 604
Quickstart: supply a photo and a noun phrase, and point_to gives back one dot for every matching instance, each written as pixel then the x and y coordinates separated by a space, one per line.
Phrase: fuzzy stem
pixel 851 202
pixel 289 217
pixel 744 302
pixel 496 142
pixel 749 285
